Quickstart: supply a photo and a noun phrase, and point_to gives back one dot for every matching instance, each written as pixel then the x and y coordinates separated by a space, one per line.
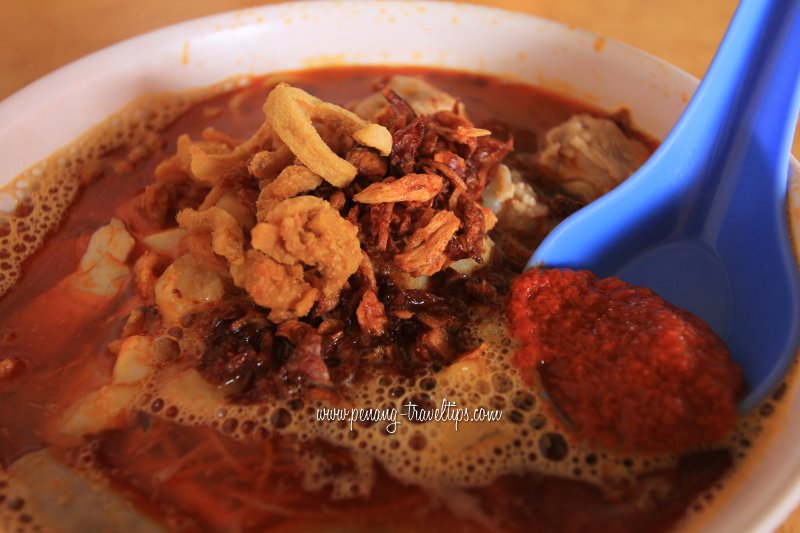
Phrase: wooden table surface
pixel 37 36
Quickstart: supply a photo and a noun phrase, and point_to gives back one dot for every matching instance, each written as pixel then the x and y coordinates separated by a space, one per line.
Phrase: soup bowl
pixel 60 107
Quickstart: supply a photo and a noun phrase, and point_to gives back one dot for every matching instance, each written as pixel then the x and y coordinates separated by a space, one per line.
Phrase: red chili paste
pixel 627 369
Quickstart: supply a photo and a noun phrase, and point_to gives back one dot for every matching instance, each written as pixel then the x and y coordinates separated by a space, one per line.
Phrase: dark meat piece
pixel 488 154
pixel 407 143
pixel 470 236
pixel 238 349
pixel 306 359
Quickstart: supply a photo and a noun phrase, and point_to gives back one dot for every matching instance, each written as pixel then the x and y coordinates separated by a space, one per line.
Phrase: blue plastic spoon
pixel 704 222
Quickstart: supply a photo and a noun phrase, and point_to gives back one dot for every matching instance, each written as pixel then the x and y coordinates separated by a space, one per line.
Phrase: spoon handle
pixel 741 209
pixel 736 133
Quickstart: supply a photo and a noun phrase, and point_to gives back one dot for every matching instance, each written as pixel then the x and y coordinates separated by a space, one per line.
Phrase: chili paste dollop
pixel 628 370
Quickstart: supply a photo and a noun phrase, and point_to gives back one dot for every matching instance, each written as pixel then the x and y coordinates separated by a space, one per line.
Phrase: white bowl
pixel 59 107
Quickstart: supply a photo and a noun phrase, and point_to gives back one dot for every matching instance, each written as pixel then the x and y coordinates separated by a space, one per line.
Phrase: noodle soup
pixel 185 386
pixel 206 456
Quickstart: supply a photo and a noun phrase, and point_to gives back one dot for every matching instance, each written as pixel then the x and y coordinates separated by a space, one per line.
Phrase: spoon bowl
pixel 704 222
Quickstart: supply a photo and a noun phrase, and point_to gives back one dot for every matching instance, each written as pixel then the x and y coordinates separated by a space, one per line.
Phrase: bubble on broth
pixel 15 513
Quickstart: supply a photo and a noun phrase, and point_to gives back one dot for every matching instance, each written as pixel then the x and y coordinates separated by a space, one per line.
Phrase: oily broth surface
pixel 418 454
pixel 33 204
